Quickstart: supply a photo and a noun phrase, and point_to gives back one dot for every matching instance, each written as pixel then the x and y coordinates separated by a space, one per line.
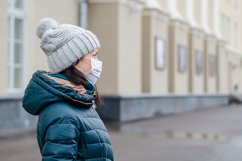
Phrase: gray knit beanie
pixel 64 44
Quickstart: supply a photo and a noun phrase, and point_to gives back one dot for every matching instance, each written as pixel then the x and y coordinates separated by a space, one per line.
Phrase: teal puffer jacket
pixel 69 129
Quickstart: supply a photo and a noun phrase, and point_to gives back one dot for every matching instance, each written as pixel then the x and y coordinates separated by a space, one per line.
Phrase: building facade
pixel 150 48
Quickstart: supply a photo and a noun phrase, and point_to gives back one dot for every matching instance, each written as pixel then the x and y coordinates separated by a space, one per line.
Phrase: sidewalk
pixel 210 135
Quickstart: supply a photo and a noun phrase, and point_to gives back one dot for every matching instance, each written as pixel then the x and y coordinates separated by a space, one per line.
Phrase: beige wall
pixel 155 25
pixel 234 71
pixel 32 51
pixel 35 59
pixel 239 81
pixel 3 46
pixel 222 82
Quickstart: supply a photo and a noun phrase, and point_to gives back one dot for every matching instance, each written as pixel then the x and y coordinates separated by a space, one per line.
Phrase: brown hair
pixel 78 78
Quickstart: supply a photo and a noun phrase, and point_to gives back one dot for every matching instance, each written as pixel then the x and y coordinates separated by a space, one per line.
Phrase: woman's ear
pixel 78 69
pixel 75 63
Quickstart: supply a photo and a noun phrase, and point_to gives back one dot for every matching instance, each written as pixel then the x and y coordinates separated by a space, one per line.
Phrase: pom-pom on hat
pixel 64 44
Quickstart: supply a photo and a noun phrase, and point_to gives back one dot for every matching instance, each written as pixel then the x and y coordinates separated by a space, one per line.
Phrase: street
pixel 206 135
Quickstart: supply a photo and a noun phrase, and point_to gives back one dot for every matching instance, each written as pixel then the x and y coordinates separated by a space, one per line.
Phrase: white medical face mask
pixel 95 72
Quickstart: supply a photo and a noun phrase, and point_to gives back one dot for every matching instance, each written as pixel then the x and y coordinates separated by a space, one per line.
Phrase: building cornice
pixel 133 5
pixel 117 1
pixel 160 12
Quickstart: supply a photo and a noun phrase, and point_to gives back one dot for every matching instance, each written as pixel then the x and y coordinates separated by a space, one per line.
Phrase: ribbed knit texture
pixel 65 44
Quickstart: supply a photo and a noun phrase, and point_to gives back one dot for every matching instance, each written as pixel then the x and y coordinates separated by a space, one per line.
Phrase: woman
pixel 68 126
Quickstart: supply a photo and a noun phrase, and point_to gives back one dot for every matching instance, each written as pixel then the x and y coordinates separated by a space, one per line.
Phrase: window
pixel 15 45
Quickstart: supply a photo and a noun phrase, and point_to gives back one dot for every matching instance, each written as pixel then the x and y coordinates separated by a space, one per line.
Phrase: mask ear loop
pixel 74 66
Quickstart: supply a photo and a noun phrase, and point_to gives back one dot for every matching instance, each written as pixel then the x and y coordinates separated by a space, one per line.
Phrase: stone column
pixel 172 7
pixel 196 51
pixel 178 52
pixel 216 17
pixel 204 16
pixel 211 64
pixel 118 24
pixel 196 59
pixel 155 49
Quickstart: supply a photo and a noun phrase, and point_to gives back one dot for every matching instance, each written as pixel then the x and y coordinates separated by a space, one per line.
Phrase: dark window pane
pixel 18 29
pixel 18 4
pixel 18 76
pixel 18 53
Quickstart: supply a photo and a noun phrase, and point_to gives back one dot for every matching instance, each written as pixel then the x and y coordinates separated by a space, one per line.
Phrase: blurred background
pixel 171 77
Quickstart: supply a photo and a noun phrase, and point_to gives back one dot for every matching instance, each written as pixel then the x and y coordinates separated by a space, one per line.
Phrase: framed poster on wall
pixel 212 65
pixel 160 53
pixel 199 62
pixel 182 59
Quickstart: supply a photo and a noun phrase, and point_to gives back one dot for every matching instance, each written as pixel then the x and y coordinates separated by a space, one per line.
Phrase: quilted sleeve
pixel 60 143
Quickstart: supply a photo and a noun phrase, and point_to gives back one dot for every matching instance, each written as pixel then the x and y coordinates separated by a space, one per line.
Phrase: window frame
pixel 14 14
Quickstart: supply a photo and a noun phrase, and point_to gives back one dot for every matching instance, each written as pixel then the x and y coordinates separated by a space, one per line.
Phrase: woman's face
pixel 84 64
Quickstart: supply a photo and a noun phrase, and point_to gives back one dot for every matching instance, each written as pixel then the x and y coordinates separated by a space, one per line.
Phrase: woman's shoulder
pixel 62 113
pixel 58 108
pixel 67 112
pixel 58 113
